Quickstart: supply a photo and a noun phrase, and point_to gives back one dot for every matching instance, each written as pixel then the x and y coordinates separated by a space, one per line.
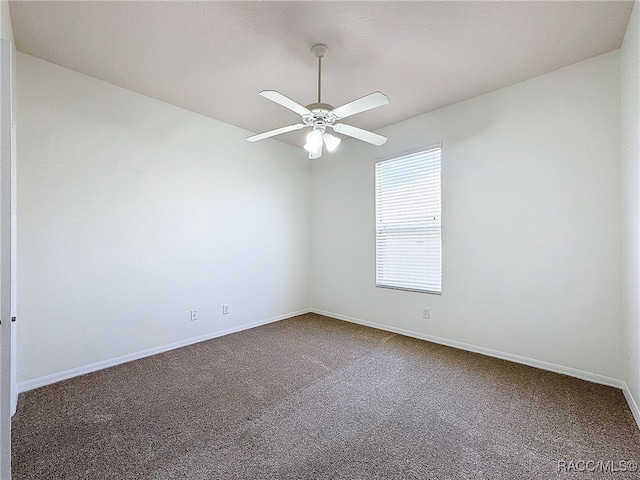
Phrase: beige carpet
pixel 316 398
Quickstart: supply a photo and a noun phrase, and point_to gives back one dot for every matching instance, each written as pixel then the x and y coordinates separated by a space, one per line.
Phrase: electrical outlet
pixel 194 315
pixel 225 309
pixel 426 313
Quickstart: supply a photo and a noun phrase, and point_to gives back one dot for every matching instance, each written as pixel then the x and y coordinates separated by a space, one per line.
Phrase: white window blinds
pixel 408 238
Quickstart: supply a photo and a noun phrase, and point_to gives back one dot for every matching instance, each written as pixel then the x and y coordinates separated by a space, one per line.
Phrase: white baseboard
pixel 14 399
pixel 75 372
pixel 572 372
pixel 552 367
pixel 633 406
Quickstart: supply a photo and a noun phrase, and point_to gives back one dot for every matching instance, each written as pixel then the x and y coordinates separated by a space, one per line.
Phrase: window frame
pixel 378 282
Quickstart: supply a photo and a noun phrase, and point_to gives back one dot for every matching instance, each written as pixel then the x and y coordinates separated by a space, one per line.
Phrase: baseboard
pixel 572 372
pixel 75 372
pixel 14 399
pixel 633 406
pixel 591 377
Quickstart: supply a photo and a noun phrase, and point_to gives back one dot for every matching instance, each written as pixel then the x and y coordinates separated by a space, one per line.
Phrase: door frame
pixel 7 172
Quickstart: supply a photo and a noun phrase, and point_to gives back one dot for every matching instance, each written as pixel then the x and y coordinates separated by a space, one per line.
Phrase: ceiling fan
pixel 321 116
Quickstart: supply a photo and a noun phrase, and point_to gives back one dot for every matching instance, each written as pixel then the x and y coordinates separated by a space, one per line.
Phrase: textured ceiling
pixel 214 57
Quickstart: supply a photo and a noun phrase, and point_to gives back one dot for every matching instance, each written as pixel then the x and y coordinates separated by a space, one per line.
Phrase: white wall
pixel 531 223
pixel 6 29
pixel 132 212
pixel 630 94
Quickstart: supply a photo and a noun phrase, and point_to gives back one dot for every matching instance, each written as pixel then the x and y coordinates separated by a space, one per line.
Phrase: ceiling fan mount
pixel 320 50
pixel 321 116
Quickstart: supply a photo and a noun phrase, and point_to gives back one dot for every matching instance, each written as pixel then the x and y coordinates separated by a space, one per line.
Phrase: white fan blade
pixel 373 100
pixel 360 134
pixel 277 131
pixel 285 101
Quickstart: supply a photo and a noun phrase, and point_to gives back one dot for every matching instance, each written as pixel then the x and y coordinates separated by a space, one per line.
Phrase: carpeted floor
pixel 316 398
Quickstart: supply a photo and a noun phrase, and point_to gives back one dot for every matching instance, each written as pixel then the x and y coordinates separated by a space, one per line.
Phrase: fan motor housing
pixel 320 114
pixel 320 106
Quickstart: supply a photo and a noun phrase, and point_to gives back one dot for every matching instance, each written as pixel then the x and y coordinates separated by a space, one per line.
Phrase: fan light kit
pixel 321 116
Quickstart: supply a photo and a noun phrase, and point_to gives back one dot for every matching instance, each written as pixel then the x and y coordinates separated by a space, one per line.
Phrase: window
pixel 408 238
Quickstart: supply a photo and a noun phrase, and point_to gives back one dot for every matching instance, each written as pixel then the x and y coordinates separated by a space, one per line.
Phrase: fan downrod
pixel 319 50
